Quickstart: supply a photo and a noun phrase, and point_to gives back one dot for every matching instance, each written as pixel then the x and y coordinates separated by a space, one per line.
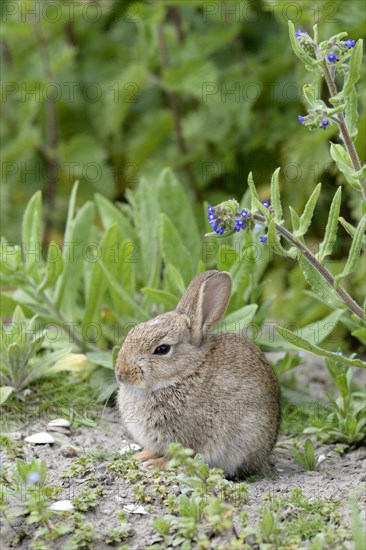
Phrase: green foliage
pixel 110 99
pixel 21 364
pixel 346 423
pixel 109 276
pixel 306 458
pixel 317 57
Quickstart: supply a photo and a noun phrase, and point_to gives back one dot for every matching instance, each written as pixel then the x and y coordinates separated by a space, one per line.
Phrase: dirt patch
pixel 335 478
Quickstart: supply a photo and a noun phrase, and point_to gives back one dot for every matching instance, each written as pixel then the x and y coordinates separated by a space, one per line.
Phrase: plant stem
pixel 322 270
pixel 347 140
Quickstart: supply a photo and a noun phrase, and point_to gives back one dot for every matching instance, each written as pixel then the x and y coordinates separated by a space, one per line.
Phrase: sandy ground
pixel 336 476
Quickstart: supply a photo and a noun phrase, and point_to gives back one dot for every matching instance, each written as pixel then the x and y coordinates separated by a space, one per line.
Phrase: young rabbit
pixel 215 393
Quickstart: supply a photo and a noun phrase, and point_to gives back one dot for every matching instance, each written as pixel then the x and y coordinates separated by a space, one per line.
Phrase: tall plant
pixel 336 59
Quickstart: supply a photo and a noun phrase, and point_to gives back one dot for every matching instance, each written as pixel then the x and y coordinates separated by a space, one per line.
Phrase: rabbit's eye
pixel 163 349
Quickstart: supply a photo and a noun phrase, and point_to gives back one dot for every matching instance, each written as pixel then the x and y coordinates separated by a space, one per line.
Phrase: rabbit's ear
pixel 205 301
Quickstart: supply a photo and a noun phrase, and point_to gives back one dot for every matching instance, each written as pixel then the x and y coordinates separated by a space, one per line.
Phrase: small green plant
pixel 24 493
pixel 306 458
pixel 21 364
pixel 346 423
pixel 206 505
pixel 87 498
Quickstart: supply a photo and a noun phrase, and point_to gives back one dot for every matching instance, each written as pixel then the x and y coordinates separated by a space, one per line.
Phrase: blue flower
pixel 299 32
pixel 210 209
pixel 211 217
pixel 350 43
pixel 32 478
pixel 332 58
pixel 220 231
pixel 325 123
pixel 265 203
pixel 301 119
pixel 239 224
pixel 263 239
pixel 244 213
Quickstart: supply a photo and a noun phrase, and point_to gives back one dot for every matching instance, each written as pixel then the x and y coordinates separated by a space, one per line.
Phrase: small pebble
pixel 59 423
pixel 68 451
pixel 41 438
pixel 134 509
pixel 62 506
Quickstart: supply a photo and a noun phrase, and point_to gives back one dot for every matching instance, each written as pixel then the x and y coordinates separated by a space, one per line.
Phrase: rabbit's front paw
pixel 158 462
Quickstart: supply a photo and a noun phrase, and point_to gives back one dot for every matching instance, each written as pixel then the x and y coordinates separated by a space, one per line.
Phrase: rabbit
pixel 212 392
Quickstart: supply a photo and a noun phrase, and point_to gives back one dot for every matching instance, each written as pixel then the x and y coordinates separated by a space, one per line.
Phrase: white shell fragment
pixel 130 447
pixel 62 506
pixel 321 459
pixel 59 423
pixel 134 509
pixel 42 438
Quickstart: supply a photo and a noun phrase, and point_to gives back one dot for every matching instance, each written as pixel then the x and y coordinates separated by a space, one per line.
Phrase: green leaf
pixel 351 230
pixel 174 202
pixel 149 220
pixel 123 269
pixel 188 76
pixel 238 320
pixel 73 255
pixel 274 240
pixel 298 50
pixel 354 71
pixel 101 358
pixel 276 197
pixel 71 211
pixel 354 252
pixel 306 216
pixel 263 210
pixel 295 219
pixel 31 231
pixel 310 454
pixel 168 300
pixel 342 160
pixel 360 334
pixel 300 342
pixel 174 280
pixel 351 114
pixel 140 313
pixel 253 191
pixel 5 392
pixel 55 265
pixel 319 284
pixel 173 250
pixel 98 283
pixel 311 94
pixel 326 247
pixel 110 214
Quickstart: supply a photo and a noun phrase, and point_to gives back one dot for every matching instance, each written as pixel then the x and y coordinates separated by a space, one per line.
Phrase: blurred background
pixel 109 91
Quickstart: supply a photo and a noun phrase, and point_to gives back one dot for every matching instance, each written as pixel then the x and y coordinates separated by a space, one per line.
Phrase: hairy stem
pixel 342 293
pixel 347 140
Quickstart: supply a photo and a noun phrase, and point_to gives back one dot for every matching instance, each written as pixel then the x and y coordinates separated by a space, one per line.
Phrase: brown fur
pixel 214 393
